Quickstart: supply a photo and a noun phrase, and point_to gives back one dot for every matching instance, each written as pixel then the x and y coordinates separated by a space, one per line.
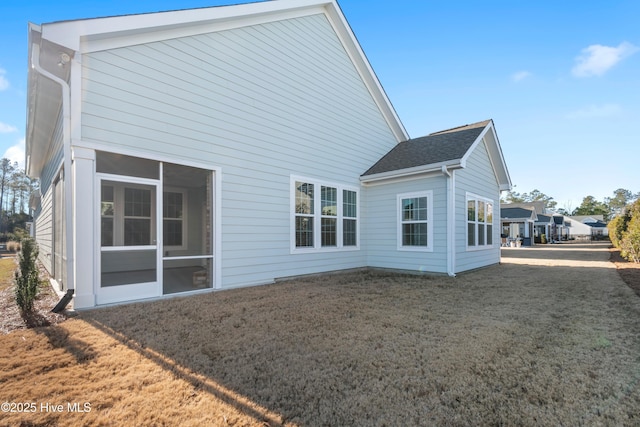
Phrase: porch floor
pixel 177 279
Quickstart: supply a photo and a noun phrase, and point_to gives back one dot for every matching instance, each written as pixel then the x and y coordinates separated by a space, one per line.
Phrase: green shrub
pixel 27 276
pixel 543 238
pixel 630 242
pixel 617 227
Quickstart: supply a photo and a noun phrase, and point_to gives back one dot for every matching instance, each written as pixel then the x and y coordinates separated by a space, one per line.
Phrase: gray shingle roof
pixel 438 147
pixel 513 213
pixel 544 218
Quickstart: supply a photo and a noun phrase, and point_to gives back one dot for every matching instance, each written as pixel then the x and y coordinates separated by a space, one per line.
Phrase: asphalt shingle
pixel 438 147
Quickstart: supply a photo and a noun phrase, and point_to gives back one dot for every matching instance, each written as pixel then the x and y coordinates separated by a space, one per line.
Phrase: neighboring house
pixel 539 206
pixel 587 218
pixel 231 146
pixel 518 223
pixel 544 226
pixel 554 226
pixel 599 230
pixel 587 227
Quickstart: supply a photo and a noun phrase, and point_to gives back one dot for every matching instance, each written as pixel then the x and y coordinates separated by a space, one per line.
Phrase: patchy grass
pixel 532 341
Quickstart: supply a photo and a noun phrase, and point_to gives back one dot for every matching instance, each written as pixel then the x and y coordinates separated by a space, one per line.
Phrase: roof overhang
pixel 489 137
pixel 517 219
pixel 411 173
pixel 44 97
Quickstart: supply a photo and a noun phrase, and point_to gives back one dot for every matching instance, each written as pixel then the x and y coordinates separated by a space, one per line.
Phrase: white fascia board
pixel 34 33
pixel 478 140
pixel 495 156
pixel 499 158
pixel 410 173
pixel 73 34
pixel 517 219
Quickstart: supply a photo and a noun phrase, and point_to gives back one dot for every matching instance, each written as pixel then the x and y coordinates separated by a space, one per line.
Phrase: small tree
pixel 630 242
pixel 26 277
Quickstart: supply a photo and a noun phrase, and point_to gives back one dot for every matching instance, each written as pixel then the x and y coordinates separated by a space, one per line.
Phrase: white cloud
pixel 520 75
pixel 595 111
pixel 4 83
pixel 15 153
pixel 597 59
pixel 5 128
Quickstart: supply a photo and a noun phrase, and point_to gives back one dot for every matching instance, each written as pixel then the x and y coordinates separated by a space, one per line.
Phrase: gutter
pixel 66 148
pixel 410 173
pixel 451 206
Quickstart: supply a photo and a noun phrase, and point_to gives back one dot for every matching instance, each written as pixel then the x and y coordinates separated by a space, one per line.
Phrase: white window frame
pixel 476 198
pixel 429 221
pixel 185 216
pixel 119 217
pixel 317 216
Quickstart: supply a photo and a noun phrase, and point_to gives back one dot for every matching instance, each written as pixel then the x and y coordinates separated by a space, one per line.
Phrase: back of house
pixel 203 149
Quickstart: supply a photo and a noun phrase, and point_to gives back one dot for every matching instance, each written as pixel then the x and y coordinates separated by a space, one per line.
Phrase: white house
pixel 598 228
pixel 193 150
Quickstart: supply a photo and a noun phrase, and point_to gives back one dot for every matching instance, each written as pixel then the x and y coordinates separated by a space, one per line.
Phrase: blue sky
pixel 561 80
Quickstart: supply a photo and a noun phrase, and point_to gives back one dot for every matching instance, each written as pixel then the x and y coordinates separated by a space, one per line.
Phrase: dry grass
pixel 11 318
pixel 7 267
pixel 549 337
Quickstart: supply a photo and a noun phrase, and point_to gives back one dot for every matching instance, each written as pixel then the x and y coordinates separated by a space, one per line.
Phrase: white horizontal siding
pixel 44 229
pixel 477 178
pixel 43 217
pixel 380 235
pixel 261 103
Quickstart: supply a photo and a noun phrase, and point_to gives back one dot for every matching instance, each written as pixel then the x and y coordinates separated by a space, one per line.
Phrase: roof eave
pixel 414 172
pixel 495 156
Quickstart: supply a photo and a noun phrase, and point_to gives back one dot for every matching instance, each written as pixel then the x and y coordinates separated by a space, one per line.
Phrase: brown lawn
pixel 549 337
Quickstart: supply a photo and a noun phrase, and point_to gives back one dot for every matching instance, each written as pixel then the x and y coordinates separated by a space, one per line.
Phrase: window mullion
pixel 339 217
pixel 317 215
pixel 118 226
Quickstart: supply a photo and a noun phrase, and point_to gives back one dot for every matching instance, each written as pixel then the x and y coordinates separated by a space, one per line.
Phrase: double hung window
pixel 479 222
pixel 126 214
pixel 325 216
pixel 173 217
pixel 415 223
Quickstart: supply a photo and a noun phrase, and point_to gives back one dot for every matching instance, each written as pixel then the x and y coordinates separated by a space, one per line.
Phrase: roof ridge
pixel 464 127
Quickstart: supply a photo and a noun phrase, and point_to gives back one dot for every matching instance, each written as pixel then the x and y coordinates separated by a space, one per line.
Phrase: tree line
pixel 15 189
pixel 609 208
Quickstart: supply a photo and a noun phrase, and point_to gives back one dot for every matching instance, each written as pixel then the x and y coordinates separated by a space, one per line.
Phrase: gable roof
pixel 439 147
pixel 518 213
pixel 542 218
pixel 539 206
pixel 447 149
pixel 598 224
pixel 47 42
pixel 588 218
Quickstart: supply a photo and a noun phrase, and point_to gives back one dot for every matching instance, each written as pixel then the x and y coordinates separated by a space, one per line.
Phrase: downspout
pixel 66 150
pixel 451 206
